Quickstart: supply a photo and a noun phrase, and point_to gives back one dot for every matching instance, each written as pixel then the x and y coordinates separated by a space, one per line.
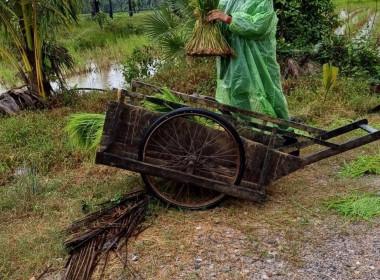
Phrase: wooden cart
pixel 199 153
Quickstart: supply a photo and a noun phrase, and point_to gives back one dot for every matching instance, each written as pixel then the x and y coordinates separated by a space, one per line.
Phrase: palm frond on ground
pixel 18 99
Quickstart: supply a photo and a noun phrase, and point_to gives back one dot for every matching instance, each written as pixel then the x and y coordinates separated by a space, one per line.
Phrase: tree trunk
pixel 111 10
pixel 130 8
pixel 95 7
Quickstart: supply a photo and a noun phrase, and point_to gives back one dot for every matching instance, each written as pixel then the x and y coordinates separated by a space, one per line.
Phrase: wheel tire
pixel 185 140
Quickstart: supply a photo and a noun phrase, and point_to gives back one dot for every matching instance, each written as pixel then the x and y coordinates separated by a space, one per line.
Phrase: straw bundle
pixel 207 39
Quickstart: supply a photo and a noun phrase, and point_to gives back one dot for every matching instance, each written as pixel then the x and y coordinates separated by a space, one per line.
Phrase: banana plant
pixel 27 36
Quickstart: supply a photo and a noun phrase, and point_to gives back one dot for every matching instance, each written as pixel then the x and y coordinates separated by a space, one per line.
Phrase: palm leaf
pixel 16 39
pixel 330 73
pixel 160 23
pixel 173 44
pixel 37 52
pixel 171 29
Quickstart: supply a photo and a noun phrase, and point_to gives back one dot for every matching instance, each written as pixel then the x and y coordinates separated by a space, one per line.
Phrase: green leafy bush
pixel 303 23
pixel 123 28
pixel 355 57
pixel 143 62
pixel 101 18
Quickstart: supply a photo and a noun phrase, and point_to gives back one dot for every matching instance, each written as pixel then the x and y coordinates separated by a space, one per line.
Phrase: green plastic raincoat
pixel 251 79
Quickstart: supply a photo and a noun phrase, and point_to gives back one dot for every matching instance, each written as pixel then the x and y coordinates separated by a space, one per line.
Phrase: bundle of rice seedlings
pixel 363 165
pixel 165 95
pixel 364 206
pixel 207 40
pixel 85 130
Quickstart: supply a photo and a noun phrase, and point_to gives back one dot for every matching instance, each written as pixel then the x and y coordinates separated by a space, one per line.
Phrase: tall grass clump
pixel 361 166
pixel 364 206
pixel 207 40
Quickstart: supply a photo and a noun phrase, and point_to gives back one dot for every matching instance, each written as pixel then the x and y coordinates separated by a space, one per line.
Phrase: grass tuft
pixel 363 165
pixel 365 206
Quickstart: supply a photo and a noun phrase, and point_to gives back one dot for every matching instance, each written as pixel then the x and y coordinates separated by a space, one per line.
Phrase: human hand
pixel 217 15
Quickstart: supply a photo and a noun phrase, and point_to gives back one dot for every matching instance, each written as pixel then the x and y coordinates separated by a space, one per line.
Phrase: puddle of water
pixel 96 78
pixel 3 88
pixel 343 15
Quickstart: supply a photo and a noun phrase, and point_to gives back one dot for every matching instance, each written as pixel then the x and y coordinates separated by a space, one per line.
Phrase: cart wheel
pixel 194 141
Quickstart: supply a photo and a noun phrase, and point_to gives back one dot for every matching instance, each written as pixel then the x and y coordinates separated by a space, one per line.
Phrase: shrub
pixel 143 62
pixel 304 23
pixel 123 28
pixel 356 57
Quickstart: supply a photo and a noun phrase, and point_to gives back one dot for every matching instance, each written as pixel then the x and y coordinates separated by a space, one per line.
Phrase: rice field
pixel 358 18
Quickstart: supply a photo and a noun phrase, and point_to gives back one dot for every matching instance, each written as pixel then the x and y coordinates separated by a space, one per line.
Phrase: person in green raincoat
pixel 250 80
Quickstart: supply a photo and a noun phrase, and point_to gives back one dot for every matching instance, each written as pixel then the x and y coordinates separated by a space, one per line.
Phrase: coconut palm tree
pixel 27 35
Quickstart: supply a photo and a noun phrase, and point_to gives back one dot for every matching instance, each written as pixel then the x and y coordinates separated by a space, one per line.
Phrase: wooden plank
pixel 137 166
pixel 216 105
pixel 349 145
pixel 279 165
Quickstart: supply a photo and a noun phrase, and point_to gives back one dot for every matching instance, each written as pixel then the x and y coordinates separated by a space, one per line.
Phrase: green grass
pixel 7 74
pixel 358 206
pixel 45 183
pixel 30 141
pixel 88 42
pixel 349 98
pixel 354 4
pixel 361 166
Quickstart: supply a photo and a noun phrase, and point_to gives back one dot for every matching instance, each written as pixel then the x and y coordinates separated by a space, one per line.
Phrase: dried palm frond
pixel 94 236
pixel 12 101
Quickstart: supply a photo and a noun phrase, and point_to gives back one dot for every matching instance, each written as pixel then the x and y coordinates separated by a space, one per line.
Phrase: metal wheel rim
pixel 208 202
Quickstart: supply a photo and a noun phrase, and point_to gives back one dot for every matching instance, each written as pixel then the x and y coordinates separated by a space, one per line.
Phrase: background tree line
pixel 116 6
